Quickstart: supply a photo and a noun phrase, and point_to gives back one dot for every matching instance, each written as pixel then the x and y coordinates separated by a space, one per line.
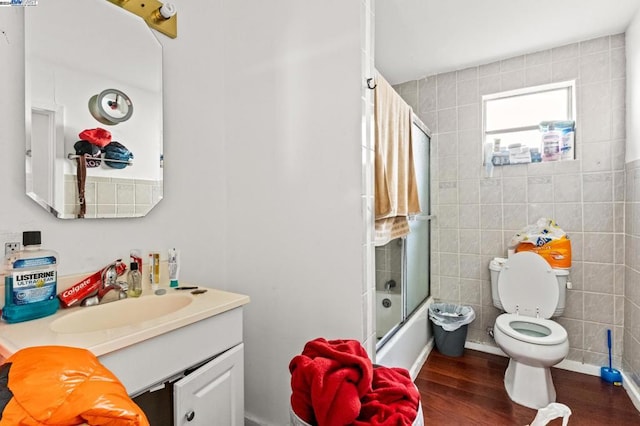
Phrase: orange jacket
pixel 59 385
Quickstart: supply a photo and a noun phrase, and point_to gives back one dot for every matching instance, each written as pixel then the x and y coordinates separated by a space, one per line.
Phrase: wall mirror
pixel 75 50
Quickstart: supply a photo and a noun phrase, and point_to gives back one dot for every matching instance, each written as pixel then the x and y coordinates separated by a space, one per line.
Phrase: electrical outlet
pixel 11 247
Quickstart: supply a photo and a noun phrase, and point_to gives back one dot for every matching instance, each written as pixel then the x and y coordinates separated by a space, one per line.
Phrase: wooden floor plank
pixel 469 390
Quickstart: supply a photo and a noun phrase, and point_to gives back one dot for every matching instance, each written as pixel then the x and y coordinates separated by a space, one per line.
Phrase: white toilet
pixel 530 292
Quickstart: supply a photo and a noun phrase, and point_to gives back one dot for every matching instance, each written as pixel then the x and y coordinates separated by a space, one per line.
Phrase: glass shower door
pixel 389 286
pixel 417 243
pixel 403 265
pixel 418 263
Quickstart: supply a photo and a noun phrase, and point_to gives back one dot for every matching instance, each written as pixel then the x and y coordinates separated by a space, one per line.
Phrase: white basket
pixel 297 421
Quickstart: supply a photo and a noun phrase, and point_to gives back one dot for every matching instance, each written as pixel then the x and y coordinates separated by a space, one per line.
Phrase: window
pixel 530 125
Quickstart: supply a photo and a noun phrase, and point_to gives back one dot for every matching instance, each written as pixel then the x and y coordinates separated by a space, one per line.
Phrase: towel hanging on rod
pixel 396 189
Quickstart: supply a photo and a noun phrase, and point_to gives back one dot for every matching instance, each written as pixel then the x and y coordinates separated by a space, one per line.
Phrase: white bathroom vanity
pixel 184 345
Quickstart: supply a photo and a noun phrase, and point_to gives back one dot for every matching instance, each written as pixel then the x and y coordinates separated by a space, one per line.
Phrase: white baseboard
pixel 422 358
pixel 579 367
pixel 253 422
pixel 481 347
pixel 249 422
pixel 632 390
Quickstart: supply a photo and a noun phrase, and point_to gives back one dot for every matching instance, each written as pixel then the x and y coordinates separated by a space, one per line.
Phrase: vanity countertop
pixel 106 339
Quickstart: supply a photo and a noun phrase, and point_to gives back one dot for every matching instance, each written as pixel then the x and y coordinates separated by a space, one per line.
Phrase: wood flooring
pixel 469 390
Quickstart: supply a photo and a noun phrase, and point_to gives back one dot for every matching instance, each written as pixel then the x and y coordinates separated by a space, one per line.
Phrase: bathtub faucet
pixel 389 285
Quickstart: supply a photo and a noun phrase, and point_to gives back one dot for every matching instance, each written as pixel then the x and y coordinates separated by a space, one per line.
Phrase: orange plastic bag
pixel 556 252
pixel 64 386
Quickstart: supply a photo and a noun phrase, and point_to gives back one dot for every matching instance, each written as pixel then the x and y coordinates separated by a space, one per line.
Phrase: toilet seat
pixel 528 285
pixel 556 333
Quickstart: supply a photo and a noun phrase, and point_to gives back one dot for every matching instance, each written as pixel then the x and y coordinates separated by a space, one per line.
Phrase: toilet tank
pixel 562 275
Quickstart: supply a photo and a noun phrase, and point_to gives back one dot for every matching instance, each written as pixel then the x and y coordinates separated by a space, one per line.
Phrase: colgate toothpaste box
pixel 88 286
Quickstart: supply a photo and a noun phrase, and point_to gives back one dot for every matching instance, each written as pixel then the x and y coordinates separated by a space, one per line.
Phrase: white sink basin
pixel 120 313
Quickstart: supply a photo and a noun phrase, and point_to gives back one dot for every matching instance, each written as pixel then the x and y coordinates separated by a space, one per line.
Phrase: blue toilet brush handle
pixel 609 345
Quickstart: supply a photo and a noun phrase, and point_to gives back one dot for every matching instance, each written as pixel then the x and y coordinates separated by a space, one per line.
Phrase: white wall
pixel 632 38
pixel 262 174
pixel 292 117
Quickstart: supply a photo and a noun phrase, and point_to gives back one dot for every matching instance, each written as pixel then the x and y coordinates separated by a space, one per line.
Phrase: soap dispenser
pixel 134 281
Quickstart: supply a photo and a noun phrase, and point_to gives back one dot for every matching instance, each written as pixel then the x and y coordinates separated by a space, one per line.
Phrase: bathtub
pixel 410 345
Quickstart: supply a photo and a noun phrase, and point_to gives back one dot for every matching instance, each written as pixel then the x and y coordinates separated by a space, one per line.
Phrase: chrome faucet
pixel 109 290
pixel 389 285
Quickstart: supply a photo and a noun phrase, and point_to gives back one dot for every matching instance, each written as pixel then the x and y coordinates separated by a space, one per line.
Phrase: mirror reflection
pixel 75 50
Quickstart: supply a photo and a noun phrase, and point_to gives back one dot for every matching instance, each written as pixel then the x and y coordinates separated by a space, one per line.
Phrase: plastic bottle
pixel 136 256
pixel 488 159
pixel 30 282
pixel 551 144
pixel 174 267
pixel 134 281
pixel 566 143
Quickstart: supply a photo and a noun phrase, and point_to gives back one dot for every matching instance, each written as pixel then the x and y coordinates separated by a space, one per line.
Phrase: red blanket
pixel 334 384
pixel 393 400
pixel 328 380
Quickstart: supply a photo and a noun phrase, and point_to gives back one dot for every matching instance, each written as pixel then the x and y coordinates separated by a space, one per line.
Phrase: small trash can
pixel 450 324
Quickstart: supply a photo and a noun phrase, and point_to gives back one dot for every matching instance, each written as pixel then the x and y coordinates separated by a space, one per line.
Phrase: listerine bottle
pixel 30 281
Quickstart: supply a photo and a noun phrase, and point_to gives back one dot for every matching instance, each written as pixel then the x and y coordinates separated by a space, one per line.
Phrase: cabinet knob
pixel 190 415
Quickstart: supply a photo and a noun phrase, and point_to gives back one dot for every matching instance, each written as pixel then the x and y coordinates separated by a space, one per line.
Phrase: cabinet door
pixel 214 393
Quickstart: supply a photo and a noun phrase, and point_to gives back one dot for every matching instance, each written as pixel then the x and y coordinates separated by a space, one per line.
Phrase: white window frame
pixel 571 105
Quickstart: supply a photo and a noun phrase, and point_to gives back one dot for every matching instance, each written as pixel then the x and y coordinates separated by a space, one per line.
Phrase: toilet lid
pixel 529 283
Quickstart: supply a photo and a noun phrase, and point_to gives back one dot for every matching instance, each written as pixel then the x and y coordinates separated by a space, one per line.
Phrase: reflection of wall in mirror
pixel 73 88
pixel 112 197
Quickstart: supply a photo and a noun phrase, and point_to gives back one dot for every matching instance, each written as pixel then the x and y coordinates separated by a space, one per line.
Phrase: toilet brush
pixel 609 374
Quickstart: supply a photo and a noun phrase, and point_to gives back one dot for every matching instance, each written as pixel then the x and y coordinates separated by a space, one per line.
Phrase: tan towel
pixel 396 191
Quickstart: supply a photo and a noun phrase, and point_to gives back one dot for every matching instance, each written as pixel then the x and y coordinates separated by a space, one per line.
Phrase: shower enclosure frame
pixel 413 321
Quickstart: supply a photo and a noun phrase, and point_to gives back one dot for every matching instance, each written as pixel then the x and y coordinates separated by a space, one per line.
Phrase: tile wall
pixel 631 353
pixel 113 197
pixel 389 264
pixel 367 10
pixel 388 268
pixel 476 216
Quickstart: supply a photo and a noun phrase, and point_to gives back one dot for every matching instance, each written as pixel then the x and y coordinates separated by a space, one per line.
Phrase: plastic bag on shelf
pixel 547 239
